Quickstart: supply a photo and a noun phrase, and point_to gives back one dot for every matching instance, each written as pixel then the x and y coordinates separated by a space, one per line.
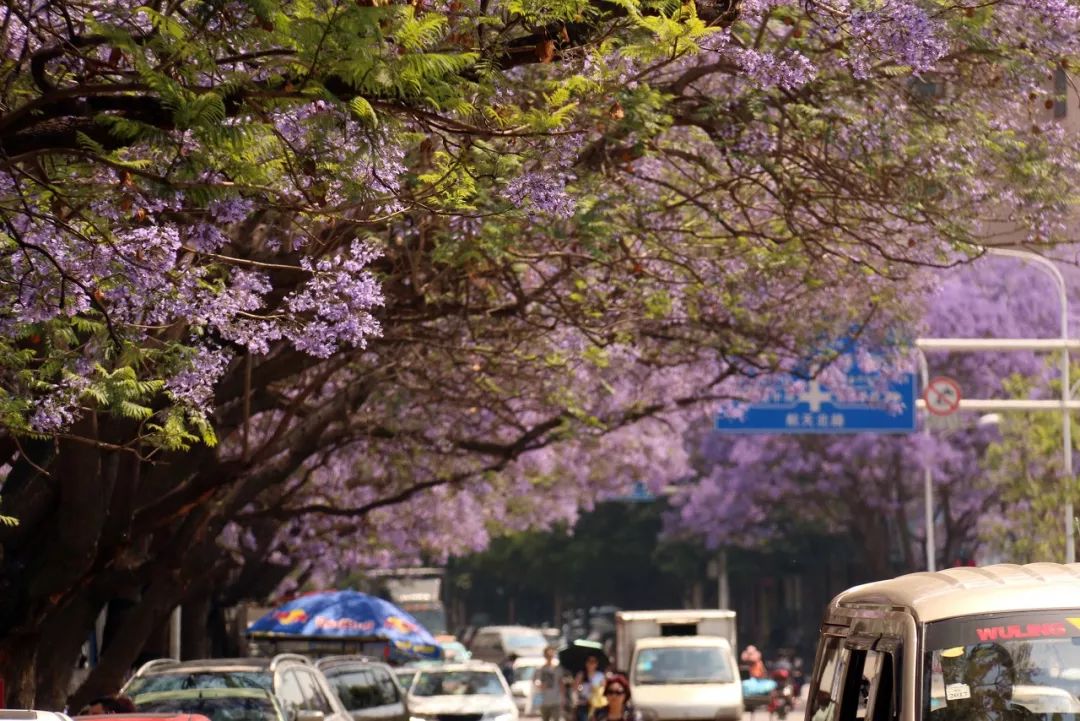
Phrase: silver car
pixel 302 690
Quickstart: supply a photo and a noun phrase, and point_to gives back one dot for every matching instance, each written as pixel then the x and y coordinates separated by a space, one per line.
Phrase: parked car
pixel 523 688
pixel 472 691
pixel 302 690
pixel 368 689
pixel 496 643
pixel 15 714
pixel 217 704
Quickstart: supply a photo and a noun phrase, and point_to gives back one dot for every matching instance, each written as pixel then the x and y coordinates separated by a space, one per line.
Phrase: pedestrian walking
pixel 507 668
pixel 590 683
pixel 619 706
pixel 549 685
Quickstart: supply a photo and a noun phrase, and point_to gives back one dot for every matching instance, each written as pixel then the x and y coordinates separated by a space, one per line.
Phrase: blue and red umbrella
pixel 348 615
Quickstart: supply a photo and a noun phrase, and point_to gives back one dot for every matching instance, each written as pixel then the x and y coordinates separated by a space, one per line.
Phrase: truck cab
pixel 681 664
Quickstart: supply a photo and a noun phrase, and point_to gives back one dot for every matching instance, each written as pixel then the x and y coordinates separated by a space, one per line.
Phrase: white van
pixel 683 678
pixel 999 643
pixel 681 663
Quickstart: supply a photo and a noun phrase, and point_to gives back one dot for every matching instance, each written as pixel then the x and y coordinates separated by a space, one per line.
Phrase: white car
pixel 11 714
pixel 471 691
pixel 526 694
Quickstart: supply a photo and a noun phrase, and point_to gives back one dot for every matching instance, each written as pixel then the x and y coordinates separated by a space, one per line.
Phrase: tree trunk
pixel 63 636
pixel 194 620
pixel 18 658
pixel 117 659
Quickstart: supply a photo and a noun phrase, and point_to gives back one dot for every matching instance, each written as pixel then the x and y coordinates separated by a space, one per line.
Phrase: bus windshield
pixel 1003 667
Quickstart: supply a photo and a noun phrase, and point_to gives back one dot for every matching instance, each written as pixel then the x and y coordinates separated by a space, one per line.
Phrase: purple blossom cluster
pixel 895 31
pixel 231 210
pixel 541 194
pixel 333 308
pixel 193 384
pixel 787 70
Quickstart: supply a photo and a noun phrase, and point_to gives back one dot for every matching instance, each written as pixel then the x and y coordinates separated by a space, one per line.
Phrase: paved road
pixel 763 714
pixel 759 715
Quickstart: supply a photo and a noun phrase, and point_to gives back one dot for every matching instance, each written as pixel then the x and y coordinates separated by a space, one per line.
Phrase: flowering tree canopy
pixel 273 266
pixel 749 490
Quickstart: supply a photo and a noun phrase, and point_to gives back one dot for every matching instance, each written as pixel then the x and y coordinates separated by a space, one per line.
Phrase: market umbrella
pixel 572 656
pixel 347 615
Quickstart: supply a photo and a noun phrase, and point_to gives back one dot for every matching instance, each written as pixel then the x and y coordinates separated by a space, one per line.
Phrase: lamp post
pixel 1065 344
pixel 1054 272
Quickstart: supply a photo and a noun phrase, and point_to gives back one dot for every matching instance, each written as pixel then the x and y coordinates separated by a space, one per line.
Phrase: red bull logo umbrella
pixel 348 615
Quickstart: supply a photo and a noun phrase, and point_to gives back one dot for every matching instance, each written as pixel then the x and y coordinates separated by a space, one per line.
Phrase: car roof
pixel 967 591
pixel 165 665
pixel 335 662
pixel 143 717
pixel 17 714
pixel 187 693
pixel 676 616
pixel 507 629
pixel 463 666
pixel 220 665
pixel 526 661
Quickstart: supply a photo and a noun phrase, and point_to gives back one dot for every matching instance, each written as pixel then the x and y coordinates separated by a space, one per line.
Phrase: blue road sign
pixel 815 410
pixel 639 493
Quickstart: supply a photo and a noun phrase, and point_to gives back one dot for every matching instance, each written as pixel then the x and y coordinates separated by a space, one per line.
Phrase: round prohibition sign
pixel 942 396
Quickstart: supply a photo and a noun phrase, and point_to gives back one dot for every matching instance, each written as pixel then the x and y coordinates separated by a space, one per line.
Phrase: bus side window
pixel 884 708
pixel 868 690
pixel 856 694
pixel 829 675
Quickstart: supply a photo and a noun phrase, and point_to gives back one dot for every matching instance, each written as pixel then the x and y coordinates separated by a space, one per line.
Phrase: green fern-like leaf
pixel 132 410
pixel 362 109
pixel 415 34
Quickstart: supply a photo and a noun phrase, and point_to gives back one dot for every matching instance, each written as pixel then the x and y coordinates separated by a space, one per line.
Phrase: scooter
pixel 782 699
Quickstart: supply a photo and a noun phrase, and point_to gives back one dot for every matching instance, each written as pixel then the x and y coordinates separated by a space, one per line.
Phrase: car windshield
pixel 524 673
pixel 457 683
pixel 181 680
pixel 405 678
pixel 517 641
pixel 430 616
pixel 981 667
pixel 220 708
pixel 682 664
pixel 364 689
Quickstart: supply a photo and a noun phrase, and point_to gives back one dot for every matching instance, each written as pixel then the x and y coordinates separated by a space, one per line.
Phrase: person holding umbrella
pixel 586 660
pixel 590 683
pixel 619 707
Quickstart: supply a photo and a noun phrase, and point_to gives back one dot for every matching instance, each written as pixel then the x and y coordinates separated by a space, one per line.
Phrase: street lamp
pixel 1065 344
pixel 1054 272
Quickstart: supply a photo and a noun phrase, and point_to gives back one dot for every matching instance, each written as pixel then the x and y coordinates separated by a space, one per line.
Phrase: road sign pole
pixel 928 476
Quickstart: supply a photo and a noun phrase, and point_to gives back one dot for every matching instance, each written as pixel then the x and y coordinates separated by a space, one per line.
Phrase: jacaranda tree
pixel 270 266
pixel 990 479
